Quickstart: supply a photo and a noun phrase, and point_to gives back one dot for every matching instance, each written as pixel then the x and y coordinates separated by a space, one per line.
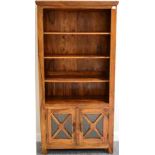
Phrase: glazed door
pixel 94 127
pixel 61 126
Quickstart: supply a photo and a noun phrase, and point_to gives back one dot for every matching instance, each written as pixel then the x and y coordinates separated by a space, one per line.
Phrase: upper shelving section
pixel 77 22
pixel 83 33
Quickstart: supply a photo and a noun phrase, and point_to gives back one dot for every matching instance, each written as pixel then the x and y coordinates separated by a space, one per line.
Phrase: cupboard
pixel 76 53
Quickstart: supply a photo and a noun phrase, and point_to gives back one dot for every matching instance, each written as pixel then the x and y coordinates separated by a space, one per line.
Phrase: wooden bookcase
pixel 76 52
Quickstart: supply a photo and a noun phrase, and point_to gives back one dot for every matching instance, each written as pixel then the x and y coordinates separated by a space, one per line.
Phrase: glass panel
pixel 61 135
pixel 60 117
pixel 99 126
pixel 68 126
pixel 67 129
pixel 92 117
pixel 54 126
pixel 85 126
pixel 93 134
pixel 88 130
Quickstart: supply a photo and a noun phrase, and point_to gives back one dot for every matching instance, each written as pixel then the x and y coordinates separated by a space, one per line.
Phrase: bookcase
pixel 76 53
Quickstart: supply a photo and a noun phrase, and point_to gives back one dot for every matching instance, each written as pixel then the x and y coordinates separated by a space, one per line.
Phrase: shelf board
pixel 79 74
pixel 76 101
pixel 76 57
pixel 77 33
pixel 75 80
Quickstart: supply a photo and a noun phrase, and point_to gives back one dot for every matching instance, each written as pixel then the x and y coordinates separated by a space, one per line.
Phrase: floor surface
pixel 79 152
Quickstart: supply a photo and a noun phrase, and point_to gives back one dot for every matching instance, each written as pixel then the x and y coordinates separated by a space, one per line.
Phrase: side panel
pixel 112 77
pixel 41 77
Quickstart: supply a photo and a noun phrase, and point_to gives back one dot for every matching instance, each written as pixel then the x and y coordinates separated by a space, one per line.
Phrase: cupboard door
pixel 61 126
pixel 94 126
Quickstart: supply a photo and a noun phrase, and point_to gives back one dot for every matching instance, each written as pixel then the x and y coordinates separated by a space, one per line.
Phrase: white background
pixel 135 77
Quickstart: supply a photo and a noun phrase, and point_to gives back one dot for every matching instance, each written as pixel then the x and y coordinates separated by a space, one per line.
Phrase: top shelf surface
pixel 78 3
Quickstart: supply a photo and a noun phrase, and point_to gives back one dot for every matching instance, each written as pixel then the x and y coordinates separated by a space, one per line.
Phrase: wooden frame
pixel 76 61
pixel 101 139
pixel 41 78
pixel 70 138
pixel 112 77
pixel 83 4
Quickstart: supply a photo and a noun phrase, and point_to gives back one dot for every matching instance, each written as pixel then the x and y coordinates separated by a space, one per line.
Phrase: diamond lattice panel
pixel 61 126
pixel 92 126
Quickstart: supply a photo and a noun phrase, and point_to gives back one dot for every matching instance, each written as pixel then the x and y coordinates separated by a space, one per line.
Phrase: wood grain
pixel 75 80
pixel 112 78
pixel 82 4
pixel 41 78
pixel 77 33
pixel 76 57
pixel 62 68
pixel 76 90
pixel 76 20
pixel 76 44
